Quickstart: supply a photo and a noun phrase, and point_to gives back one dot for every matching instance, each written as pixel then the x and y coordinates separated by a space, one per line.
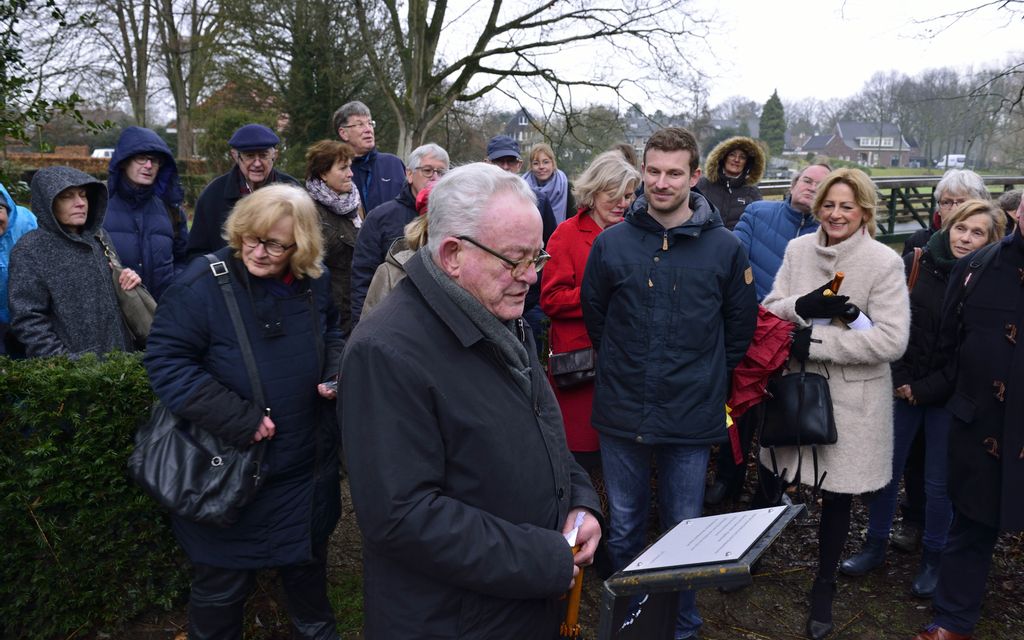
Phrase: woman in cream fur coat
pixel 855 361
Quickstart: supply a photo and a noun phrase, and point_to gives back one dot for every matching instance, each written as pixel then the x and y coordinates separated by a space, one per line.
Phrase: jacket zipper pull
pixel 664 241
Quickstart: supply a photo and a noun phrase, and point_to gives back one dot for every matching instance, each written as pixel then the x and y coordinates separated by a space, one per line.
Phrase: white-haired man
pixel 461 479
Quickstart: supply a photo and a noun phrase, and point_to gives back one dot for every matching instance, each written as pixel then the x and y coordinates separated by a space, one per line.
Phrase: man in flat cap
pixel 503 152
pixel 254 150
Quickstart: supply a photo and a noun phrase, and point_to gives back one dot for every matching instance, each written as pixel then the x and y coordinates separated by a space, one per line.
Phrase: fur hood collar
pixel 755 160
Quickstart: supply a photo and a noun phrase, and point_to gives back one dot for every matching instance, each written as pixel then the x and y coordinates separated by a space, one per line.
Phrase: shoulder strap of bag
pixel 108 251
pixel 915 268
pixel 223 277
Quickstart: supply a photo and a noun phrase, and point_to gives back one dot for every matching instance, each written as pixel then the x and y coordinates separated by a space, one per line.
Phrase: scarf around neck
pixel 556 189
pixel 501 334
pixel 942 255
pixel 342 204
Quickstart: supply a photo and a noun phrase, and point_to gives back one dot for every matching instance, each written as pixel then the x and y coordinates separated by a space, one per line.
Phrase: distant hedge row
pixel 83 548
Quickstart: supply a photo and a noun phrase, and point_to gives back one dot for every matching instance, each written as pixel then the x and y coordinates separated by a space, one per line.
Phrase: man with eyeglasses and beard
pixel 378 176
pixel 254 150
pixel 386 223
pixel 461 479
pixel 144 218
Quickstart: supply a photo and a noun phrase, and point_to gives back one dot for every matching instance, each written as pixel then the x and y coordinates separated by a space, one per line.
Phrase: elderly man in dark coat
pixel 461 479
pixel 254 151
pixel 983 316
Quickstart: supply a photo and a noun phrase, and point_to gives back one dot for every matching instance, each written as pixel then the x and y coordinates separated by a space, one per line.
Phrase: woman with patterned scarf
pixel 329 182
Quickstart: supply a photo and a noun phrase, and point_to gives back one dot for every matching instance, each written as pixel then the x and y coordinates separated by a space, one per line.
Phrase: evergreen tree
pixel 773 124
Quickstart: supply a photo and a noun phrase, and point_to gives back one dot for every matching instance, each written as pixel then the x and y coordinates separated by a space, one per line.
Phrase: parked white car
pixel 102 153
pixel 952 161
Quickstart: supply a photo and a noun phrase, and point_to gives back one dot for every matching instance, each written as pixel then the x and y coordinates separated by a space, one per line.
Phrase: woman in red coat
pixel 604 192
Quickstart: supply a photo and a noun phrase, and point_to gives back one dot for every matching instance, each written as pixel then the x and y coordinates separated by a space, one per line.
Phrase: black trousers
pixel 962 574
pixel 217 601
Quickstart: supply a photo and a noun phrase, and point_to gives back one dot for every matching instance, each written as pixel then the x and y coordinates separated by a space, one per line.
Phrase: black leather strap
pixel 220 271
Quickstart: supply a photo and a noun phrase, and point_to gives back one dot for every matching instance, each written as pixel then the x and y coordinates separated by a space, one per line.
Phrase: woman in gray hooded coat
pixel 61 292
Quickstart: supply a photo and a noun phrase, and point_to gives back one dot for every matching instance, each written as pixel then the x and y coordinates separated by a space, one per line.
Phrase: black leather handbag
pixel 797 413
pixel 573 368
pixel 188 470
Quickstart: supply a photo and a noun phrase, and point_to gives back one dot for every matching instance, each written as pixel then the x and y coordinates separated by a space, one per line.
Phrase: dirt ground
pixel 875 607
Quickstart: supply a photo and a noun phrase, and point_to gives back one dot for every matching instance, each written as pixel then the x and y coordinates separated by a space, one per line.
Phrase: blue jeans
pixel 938 512
pixel 627 478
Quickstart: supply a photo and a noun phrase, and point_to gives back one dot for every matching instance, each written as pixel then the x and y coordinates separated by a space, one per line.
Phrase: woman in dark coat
pixel 329 182
pixel 731 174
pixel 61 291
pixel 196 368
pixel 144 216
pixel 920 392
pixel 983 314
pixel 605 191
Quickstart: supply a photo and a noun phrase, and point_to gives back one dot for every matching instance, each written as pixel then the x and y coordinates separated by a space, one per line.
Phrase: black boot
pixel 927 577
pixel 907 537
pixel 871 556
pixel 819 623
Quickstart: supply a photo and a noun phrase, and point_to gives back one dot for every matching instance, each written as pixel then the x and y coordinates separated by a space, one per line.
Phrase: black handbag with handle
pixel 797 413
pixel 188 470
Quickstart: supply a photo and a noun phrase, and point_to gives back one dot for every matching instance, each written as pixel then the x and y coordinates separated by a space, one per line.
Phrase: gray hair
pixel 962 181
pixel 347 110
pixel 460 198
pixel 608 172
pixel 422 151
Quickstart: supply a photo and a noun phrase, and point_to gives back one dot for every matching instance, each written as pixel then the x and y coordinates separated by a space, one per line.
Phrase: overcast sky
pixel 826 48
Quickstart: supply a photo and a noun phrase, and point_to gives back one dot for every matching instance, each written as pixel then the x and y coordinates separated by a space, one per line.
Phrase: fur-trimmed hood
pixel 756 160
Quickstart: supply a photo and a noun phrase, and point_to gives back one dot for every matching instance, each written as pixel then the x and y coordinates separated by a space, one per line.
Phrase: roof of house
pixel 818 142
pixel 851 132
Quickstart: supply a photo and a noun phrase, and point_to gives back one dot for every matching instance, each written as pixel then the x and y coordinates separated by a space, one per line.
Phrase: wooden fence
pixel 907 202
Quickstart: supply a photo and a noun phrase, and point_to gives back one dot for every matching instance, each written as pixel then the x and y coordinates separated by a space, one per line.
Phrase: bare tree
pixel 191 34
pixel 515 40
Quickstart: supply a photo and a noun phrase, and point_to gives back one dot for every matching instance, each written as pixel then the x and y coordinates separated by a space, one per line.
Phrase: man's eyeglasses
pixel 272 247
pixel 518 267
pixel 948 204
pixel 252 156
pixel 367 124
pixel 430 172
pixel 142 159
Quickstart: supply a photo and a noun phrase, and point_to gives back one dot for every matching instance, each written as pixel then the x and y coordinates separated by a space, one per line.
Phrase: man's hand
pixel 587 537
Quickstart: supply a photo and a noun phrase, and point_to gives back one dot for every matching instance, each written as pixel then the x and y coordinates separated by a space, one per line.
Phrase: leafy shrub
pixel 84 548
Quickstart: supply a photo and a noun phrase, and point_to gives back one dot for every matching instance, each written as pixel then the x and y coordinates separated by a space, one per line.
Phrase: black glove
pixel 801 347
pixel 817 305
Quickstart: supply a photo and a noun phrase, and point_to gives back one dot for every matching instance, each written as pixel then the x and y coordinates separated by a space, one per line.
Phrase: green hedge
pixel 84 548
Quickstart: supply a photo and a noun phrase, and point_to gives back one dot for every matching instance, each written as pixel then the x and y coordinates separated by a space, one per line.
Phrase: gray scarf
pixel 342 204
pixel 500 334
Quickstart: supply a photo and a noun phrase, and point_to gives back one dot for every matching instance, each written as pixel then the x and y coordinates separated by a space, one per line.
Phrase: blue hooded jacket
pixel 19 222
pixel 139 218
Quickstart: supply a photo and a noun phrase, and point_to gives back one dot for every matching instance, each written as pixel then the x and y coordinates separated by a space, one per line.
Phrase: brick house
pixel 864 143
